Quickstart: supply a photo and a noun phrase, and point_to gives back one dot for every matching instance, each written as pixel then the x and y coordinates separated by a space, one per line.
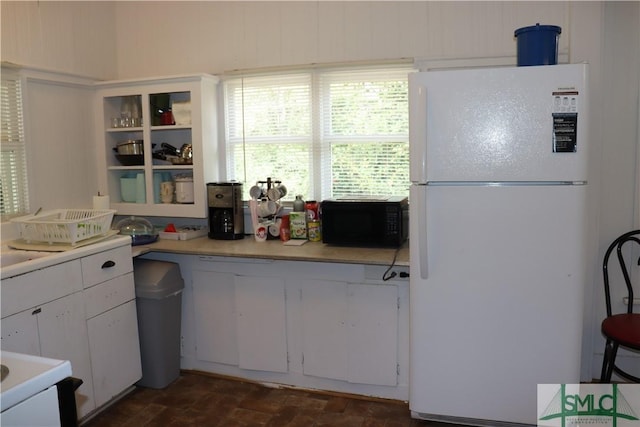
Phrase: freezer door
pixel 500 309
pixel 502 124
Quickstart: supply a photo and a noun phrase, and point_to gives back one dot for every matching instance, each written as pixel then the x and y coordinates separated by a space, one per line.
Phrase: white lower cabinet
pixel 115 351
pixel 372 331
pixel 324 326
pixel 112 322
pixel 215 314
pixel 347 331
pixel 295 323
pixel 261 323
pixel 240 320
pixel 48 313
pixel 55 329
pixel 61 323
pixel 20 333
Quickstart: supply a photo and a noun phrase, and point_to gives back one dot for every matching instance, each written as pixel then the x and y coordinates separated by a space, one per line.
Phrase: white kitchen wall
pixel 62 164
pixel 68 37
pixel 176 37
pixel 118 40
pixel 620 148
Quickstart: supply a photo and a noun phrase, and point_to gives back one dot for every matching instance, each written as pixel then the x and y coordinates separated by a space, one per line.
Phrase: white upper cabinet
pixel 139 124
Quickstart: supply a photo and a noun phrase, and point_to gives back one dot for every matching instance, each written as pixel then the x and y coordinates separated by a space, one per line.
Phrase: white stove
pixel 27 381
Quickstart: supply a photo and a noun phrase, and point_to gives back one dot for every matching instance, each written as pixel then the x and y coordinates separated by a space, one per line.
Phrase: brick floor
pixel 203 400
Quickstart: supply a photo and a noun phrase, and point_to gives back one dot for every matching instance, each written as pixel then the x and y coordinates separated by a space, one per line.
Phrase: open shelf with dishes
pixel 158 138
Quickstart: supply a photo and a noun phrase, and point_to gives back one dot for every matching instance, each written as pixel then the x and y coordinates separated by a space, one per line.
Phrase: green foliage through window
pixel 323 133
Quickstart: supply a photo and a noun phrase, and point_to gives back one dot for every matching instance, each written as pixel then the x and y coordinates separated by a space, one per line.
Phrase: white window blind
pixel 14 198
pixel 365 129
pixel 323 133
pixel 268 130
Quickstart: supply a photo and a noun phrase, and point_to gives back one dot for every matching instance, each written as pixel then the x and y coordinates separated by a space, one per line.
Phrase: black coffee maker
pixel 226 215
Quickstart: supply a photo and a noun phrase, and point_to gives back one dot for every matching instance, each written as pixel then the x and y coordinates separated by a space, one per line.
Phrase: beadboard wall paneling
pixel 69 37
pixel 60 146
pixel 162 38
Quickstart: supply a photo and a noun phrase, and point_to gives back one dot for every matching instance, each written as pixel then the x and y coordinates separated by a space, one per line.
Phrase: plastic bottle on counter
pixel 298 204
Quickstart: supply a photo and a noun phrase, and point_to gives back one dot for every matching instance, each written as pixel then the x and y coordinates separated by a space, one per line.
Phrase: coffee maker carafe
pixel 226 215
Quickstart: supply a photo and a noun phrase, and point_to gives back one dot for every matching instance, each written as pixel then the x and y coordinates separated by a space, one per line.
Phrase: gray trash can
pixel 159 288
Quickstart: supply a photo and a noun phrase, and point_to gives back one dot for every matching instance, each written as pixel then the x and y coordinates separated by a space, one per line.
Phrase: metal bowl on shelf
pixel 130 159
pixel 179 160
pixel 174 160
pixel 130 146
pixel 130 152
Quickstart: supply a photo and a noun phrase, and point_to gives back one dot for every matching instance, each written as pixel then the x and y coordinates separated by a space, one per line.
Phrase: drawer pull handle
pixel 108 264
pixel 36 311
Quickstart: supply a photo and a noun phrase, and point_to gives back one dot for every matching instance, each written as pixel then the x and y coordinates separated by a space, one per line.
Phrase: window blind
pixel 268 130
pixel 14 198
pixel 323 133
pixel 365 129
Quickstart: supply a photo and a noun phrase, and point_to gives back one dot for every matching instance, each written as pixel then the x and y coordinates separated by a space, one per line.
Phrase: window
pixel 323 133
pixel 14 198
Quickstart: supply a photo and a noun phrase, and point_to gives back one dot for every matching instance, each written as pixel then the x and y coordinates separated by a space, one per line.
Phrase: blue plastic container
pixel 538 45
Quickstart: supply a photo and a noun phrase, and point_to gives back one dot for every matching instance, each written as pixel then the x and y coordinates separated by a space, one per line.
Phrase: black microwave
pixel 375 222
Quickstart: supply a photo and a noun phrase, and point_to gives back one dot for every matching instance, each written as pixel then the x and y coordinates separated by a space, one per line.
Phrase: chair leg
pixel 606 360
pixel 611 362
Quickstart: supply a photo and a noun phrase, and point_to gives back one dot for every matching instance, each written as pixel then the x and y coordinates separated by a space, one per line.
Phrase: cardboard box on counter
pixel 298 225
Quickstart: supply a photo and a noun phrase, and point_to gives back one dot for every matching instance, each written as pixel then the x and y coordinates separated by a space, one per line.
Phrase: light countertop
pixel 275 249
pixel 56 257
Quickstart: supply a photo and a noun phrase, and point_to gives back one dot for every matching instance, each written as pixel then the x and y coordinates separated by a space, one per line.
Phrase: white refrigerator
pixel 498 239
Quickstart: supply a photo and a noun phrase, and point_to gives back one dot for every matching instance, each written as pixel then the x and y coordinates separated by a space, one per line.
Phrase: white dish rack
pixel 64 225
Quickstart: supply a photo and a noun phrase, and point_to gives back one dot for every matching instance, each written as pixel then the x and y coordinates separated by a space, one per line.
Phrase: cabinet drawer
pixel 106 265
pixel 40 286
pixel 105 296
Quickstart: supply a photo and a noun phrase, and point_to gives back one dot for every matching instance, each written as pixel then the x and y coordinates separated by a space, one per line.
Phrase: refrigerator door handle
pixel 418 133
pixel 419 234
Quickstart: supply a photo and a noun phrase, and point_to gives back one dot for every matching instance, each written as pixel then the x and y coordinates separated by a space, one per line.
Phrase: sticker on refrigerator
pixel 565 121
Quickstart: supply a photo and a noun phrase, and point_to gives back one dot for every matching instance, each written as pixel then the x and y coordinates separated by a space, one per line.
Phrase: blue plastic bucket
pixel 538 45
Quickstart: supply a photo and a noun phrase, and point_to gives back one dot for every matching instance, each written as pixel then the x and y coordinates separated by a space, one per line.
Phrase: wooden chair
pixel 620 330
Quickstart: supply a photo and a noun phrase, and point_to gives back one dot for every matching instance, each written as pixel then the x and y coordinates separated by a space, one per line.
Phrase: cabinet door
pixel 63 335
pixel 324 318
pixel 261 323
pixel 373 334
pixel 347 331
pixel 20 333
pixel 115 351
pixel 215 317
